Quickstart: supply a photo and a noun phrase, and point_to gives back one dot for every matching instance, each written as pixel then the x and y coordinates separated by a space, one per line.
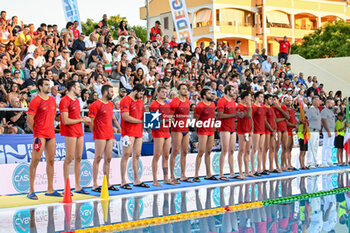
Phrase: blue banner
pixel 71 11
pixel 18 148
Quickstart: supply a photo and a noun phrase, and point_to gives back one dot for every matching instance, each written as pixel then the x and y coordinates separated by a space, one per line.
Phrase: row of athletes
pixel 266 126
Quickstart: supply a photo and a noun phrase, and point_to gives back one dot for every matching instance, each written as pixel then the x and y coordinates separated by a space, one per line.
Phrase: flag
pixel 347 136
pixel 108 68
pixel 280 95
pixel 302 117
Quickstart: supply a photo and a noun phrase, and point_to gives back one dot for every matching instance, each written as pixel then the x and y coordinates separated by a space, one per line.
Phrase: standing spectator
pixel 328 122
pixel 339 139
pixel 156 30
pixel 284 49
pixel 314 116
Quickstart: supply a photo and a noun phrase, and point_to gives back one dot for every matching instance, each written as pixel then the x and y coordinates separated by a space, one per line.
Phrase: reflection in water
pixel 322 214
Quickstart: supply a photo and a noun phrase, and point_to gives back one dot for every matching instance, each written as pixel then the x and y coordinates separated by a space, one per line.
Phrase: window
pixel 166 23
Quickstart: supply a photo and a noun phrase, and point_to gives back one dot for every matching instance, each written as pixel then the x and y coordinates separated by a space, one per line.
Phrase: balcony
pixel 235 28
pixel 301 32
pixel 279 31
pixel 197 31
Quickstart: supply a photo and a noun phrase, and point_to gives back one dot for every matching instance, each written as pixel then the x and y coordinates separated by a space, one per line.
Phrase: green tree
pixel 333 40
pixel 113 23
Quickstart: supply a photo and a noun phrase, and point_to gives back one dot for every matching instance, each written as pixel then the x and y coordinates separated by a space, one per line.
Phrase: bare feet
pixel 156 183
pixel 168 181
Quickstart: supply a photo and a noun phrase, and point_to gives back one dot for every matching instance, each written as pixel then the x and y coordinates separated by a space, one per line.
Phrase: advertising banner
pixel 181 20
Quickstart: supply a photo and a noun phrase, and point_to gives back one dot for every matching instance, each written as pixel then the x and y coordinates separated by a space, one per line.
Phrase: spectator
pixel 79 44
pixel 123 29
pixel 284 49
pixel 126 81
pixel 76 32
pixel 57 96
pixel 90 44
pixel 156 30
pixel 97 56
pixel 38 59
pixel 23 40
pixel 16 118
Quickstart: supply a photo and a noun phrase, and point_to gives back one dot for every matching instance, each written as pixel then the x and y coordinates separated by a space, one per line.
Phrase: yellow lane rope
pixel 171 219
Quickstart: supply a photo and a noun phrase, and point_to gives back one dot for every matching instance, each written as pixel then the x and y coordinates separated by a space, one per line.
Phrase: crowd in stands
pixel 28 54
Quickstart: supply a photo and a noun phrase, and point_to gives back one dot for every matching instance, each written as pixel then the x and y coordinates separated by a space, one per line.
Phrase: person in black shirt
pixel 16 119
pixel 5 82
pixel 79 44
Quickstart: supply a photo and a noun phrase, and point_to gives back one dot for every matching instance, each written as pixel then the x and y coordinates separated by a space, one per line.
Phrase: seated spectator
pixel 64 57
pixel 79 44
pixel 12 53
pixel 61 83
pixel 126 81
pixel 99 71
pixel 5 83
pixel 266 66
pixel 67 34
pixel 90 44
pixel 56 69
pixel 38 59
pixel 57 96
pixel 23 40
pixel 34 46
pixel 16 119
pixel 3 63
pixel 97 56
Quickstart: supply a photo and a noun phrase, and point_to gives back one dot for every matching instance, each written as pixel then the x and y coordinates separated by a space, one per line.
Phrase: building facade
pixel 256 23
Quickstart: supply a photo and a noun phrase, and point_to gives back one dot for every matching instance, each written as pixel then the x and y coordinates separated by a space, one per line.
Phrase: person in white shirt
pixel 108 55
pixel 57 96
pixel 90 44
pixel 143 65
pixel 125 80
pixel 130 54
pixel 34 46
pixel 309 82
pixel 65 65
pixel 39 60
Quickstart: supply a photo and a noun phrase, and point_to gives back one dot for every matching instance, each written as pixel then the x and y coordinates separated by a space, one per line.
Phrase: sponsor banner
pixel 18 148
pixel 71 11
pixel 18 174
pixel 181 20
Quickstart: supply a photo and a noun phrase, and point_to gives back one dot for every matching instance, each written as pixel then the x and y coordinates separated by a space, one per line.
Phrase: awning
pixel 203 16
pixel 277 17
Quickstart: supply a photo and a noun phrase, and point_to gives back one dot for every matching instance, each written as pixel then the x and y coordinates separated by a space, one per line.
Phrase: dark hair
pixel 43 25
pixel 160 88
pixel 340 114
pixel 6 71
pixel 138 87
pixel 228 88
pixel 204 92
pixel 105 88
pixel 40 82
pixel 244 94
pixel 31 71
pixel 121 26
pixel 69 24
pixel 256 95
pixel 27 62
pixel 71 84
pixel 61 75
pixel 179 87
pixel 267 96
pixel 82 94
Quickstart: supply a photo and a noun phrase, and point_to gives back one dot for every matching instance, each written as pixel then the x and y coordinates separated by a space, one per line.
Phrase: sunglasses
pixel 65 52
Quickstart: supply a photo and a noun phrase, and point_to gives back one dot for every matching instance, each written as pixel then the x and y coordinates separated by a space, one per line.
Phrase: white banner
pixel 71 11
pixel 15 177
pixel 181 20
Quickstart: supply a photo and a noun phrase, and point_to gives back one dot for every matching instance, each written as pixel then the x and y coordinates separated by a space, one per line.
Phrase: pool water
pixel 320 214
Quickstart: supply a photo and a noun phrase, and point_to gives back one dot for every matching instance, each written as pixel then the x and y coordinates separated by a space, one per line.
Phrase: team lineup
pixel 264 126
